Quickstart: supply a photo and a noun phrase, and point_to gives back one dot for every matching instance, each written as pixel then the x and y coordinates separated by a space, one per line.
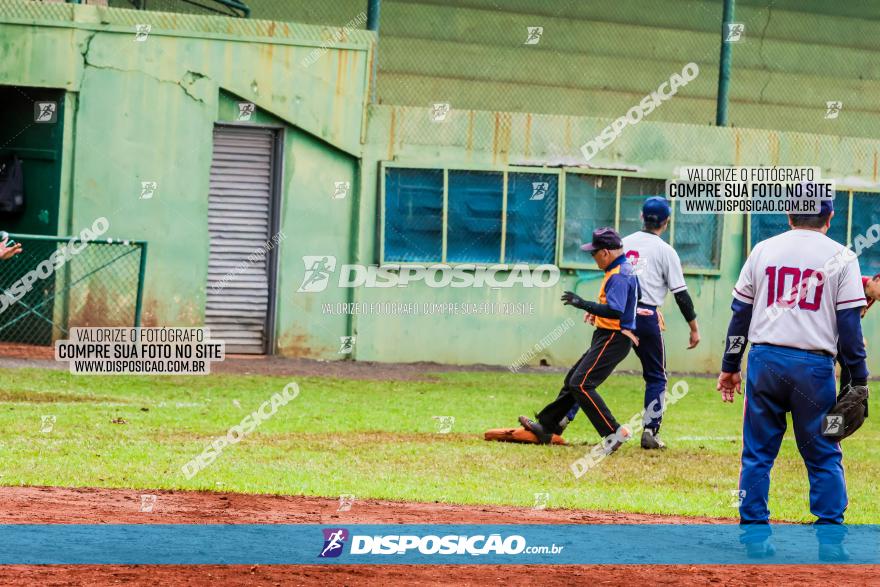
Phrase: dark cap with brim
pixel 603 238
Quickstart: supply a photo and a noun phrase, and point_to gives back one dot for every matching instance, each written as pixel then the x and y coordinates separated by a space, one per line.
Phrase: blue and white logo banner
pixel 686 544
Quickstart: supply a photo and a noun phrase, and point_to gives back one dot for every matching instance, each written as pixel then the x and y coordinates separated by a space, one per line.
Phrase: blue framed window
pixel 697 239
pixel 532 199
pixel 590 202
pixel 475 206
pixel 764 226
pixel 633 193
pixel 594 200
pixel 413 214
pixel 838 230
pixel 866 213
pixel 480 217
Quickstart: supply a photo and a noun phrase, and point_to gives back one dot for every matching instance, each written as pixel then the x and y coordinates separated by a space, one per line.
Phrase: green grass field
pixel 379 440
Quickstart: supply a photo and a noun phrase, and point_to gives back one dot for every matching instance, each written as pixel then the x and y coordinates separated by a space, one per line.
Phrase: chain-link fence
pixel 57 283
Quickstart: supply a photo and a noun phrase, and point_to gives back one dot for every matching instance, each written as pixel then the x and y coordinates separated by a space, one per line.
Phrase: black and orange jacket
pixel 620 291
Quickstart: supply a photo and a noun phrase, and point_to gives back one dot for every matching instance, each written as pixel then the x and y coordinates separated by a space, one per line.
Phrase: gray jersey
pixel 656 264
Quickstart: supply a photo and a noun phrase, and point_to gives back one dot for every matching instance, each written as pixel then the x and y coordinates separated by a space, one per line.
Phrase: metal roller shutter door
pixel 239 209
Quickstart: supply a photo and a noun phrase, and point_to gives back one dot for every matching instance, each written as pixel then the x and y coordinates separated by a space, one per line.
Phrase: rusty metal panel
pixel 105 18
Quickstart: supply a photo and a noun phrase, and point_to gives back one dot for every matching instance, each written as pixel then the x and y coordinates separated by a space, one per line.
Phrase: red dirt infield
pixel 51 505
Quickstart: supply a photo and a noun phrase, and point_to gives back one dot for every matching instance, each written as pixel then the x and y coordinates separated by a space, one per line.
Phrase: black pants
pixel 607 349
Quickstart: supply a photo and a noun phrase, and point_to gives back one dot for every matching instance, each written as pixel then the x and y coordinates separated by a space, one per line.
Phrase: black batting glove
pixel 570 298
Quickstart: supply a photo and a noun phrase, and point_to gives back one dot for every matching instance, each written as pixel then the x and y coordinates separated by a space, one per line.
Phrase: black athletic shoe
pixel 651 440
pixel 535 428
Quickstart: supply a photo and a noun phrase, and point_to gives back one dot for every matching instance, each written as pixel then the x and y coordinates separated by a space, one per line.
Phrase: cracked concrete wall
pixel 133 127
pixel 145 112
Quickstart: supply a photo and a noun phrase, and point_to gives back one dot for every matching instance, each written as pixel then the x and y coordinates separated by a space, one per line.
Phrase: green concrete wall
pixel 149 116
pixel 146 111
pixel 312 223
pixel 494 140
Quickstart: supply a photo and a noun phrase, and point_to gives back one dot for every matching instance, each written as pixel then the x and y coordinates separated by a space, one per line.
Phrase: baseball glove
pixel 852 406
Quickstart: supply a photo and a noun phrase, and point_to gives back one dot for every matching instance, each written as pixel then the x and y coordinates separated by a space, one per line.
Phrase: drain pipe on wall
pixel 354 248
pixel 373 7
pixel 724 66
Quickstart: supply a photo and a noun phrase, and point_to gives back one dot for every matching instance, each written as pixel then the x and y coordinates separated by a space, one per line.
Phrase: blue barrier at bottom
pixel 249 544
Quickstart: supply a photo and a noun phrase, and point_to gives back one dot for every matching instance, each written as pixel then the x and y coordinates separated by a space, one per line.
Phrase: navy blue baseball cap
pixel 603 238
pixel 826 205
pixel 656 209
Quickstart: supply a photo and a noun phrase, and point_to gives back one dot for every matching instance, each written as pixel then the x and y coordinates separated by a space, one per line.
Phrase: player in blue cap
pixel 658 269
